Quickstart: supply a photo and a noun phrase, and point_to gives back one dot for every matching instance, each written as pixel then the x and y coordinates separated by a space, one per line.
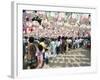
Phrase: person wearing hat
pixel 42 43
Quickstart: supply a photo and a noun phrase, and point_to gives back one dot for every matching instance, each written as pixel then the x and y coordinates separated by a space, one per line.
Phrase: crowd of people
pixel 54 24
pixel 47 34
pixel 38 51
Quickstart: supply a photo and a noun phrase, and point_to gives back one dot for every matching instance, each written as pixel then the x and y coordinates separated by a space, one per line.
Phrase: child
pixel 40 56
pixel 46 56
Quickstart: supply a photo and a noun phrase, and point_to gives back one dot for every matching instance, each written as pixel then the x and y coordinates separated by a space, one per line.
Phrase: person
pixel 31 56
pixel 25 44
pixel 25 51
pixel 63 45
pixel 42 43
pixel 69 42
pixel 46 56
pixel 77 43
pixel 40 56
pixel 53 47
pixel 58 43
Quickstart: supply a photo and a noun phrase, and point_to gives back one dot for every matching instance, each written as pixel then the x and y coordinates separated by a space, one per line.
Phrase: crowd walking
pixel 48 34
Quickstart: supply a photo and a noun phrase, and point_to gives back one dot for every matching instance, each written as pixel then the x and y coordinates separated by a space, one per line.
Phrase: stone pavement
pixel 73 58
